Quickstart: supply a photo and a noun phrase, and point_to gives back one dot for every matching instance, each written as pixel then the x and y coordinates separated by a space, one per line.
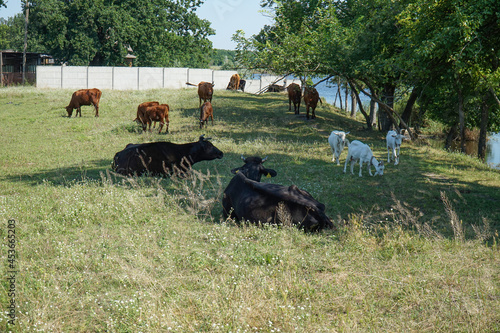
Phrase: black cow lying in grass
pixel 163 158
pixel 246 199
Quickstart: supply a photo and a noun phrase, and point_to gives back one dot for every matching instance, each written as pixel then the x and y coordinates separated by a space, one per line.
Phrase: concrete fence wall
pixel 140 78
pixel 126 78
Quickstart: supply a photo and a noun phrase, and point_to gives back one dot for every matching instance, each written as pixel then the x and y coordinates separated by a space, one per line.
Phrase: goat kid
pixel 337 141
pixel 358 151
pixel 393 139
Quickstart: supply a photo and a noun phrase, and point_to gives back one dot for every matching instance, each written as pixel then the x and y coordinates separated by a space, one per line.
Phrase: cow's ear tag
pixel 237 171
pixel 268 175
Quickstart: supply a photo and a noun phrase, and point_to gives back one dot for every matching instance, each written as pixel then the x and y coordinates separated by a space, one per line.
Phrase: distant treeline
pixel 223 59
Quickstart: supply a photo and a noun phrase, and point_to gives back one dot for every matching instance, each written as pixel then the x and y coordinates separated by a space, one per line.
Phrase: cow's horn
pixel 242 157
pixel 264 159
pixel 202 137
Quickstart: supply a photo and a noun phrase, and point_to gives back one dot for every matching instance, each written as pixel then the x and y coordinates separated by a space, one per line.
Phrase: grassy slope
pixel 100 252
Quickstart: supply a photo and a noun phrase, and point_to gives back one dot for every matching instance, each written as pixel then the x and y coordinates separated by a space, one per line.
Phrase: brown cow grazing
pixel 311 98
pixel 234 82
pixel 156 113
pixel 206 111
pixel 205 90
pixel 141 111
pixel 294 95
pixel 84 97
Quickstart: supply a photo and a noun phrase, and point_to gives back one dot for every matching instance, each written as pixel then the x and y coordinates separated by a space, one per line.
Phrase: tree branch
pixel 390 112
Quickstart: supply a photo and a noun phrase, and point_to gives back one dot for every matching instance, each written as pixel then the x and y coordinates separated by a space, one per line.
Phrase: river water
pixel 328 91
pixel 471 148
pixel 493 151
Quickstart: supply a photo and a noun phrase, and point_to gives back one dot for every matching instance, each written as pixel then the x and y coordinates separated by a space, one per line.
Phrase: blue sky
pixel 226 16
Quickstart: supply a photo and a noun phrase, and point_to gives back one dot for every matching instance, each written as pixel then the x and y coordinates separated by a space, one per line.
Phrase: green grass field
pixel 414 251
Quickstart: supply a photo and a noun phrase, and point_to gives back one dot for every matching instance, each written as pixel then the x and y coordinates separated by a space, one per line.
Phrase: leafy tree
pixel 223 58
pixel 453 44
pixel 99 32
pixel 5 32
pixel 287 47
pixel 371 50
pixel 353 39
pixel 12 35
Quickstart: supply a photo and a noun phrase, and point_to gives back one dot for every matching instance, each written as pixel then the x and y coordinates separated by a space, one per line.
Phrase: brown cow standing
pixel 294 95
pixel 157 113
pixel 311 98
pixel 206 111
pixel 84 97
pixel 141 112
pixel 205 90
pixel 234 82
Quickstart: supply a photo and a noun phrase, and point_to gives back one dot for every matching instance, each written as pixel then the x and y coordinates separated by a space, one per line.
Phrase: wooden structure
pixel 11 66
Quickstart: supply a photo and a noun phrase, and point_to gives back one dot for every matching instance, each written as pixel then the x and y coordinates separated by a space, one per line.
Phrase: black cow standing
pixel 246 199
pixel 163 158
pixel 242 85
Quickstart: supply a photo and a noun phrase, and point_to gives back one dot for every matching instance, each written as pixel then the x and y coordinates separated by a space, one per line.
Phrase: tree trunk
pixel 346 97
pixel 461 116
pixel 481 149
pixel 452 134
pixel 387 109
pixel 372 112
pixel 339 92
pixel 388 98
pixel 26 21
pixel 406 116
pixel 356 94
pixel 353 104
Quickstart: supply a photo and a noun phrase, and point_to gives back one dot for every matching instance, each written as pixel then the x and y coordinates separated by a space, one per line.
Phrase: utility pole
pixel 26 17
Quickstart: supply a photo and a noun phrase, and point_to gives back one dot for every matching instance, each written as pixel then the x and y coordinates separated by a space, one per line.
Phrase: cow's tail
pixel 190 84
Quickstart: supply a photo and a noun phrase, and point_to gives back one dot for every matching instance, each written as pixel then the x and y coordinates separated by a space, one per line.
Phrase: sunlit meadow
pixel 413 251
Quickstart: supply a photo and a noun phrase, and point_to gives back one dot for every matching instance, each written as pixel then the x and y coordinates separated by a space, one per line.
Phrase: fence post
pixel 138 78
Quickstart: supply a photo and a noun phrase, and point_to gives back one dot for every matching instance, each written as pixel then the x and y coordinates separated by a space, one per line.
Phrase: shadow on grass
pixel 245 117
pixel 61 176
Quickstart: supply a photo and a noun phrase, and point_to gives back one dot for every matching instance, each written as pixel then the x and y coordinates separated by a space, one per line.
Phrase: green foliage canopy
pixel 438 49
pixel 98 32
pixel 290 46
pixel 453 45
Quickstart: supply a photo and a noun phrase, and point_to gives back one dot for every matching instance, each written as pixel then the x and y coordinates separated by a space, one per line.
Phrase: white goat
pixel 358 151
pixel 337 142
pixel 393 145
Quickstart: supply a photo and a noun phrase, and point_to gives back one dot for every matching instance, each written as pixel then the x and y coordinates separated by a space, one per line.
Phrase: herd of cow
pixel 245 197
